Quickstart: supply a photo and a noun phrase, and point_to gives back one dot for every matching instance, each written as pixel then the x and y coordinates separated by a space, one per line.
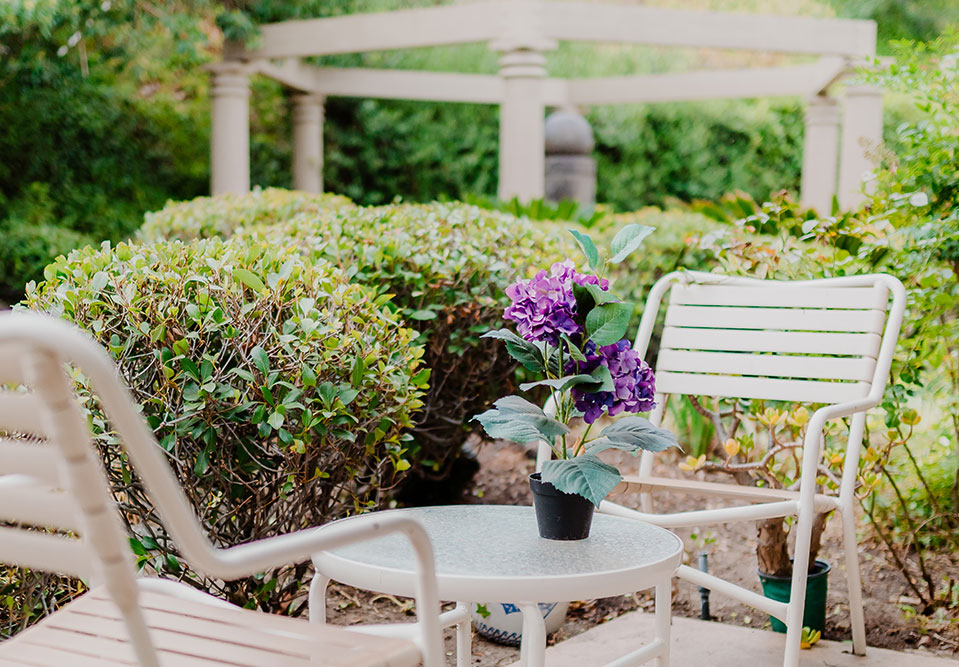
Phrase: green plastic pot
pixel 817 583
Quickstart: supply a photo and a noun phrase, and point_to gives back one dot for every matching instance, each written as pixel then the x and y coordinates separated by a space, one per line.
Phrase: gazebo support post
pixel 230 128
pixel 861 136
pixel 308 143
pixel 521 119
pixel 820 154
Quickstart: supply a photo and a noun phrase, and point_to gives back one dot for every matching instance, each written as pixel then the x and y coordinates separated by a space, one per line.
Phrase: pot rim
pixel 822 569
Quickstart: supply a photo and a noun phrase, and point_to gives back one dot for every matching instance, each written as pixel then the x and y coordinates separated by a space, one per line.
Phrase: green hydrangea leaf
pixel 524 351
pixel 514 418
pixel 607 324
pixel 628 240
pixel 633 435
pixel 588 247
pixel 585 475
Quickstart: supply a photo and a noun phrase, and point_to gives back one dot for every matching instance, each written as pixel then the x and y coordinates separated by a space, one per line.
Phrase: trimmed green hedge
pixel 446 264
pixel 223 215
pixel 281 392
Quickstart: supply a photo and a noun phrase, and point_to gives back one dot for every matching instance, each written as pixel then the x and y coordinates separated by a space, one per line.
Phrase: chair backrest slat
pixel 782 296
pixel 780 342
pixel 20 413
pixel 772 389
pixel 776 319
pixel 771 365
pixel 24 501
pixel 37 460
pixel 43 551
pixel 10 370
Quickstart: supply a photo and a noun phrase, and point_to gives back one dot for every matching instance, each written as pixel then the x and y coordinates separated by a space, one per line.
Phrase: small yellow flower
pixel 799 418
pixel 692 463
pixel 771 417
pixel 731 446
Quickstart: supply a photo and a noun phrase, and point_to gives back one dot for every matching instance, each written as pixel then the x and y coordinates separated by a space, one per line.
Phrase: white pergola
pixel 523 31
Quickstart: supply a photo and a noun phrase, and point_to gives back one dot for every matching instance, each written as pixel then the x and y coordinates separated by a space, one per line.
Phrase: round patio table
pixel 494 552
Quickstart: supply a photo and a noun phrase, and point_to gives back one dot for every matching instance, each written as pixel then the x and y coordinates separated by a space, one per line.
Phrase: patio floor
pixel 696 642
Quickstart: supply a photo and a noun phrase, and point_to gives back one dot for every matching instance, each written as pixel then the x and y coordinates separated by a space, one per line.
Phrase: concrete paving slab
pixel 696 643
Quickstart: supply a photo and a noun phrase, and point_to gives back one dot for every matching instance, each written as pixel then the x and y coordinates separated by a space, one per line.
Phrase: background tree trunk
pixel 772 551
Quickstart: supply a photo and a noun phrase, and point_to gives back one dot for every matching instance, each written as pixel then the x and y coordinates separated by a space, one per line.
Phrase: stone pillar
pixel 861 136
pixel 570 167
pixel 521 138
pixel 230 129
pixel 308 143
pixel 820 154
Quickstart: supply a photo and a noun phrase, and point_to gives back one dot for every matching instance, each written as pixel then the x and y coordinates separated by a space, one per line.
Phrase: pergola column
pixel 308 143
pixel 521 118
pixel 230 129
pixel 820 154
pixel 861 136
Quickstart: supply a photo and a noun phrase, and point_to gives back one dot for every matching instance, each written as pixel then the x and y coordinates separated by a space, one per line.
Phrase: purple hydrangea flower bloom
pixel 543 307
pixel 633 383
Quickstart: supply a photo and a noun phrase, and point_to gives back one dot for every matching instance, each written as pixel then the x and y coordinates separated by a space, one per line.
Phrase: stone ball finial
pixel 568 133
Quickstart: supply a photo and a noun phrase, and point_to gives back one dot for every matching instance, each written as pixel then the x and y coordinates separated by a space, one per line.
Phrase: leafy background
pixel 105 111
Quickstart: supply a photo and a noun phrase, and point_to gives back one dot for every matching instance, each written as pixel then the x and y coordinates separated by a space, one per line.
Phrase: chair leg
pixel 664 617
pixel 857 621
pixel 464 638
pixel 317 599
pixel 797 596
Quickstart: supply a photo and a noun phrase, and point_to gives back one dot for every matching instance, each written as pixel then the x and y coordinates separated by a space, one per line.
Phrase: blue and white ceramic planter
pixel 502 622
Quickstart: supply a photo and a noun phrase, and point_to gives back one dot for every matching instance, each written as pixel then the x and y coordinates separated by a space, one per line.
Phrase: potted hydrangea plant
pixel 570 329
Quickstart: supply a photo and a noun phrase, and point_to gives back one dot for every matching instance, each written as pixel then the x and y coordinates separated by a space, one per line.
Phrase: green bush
pixel 223 215
pixel 447 266
pixel 30 249
pixel 280 391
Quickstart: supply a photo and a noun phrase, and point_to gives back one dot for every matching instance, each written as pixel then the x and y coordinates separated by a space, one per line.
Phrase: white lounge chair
pixel 54 480
pixel 826 342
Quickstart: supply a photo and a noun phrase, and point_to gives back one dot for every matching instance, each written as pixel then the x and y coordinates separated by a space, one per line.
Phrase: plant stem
pixel 582 441
pixel 917 544
pixel 890 546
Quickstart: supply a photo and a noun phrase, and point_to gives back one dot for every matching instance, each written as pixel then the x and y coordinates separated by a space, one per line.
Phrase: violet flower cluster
pixel 633 383
pixel 544 307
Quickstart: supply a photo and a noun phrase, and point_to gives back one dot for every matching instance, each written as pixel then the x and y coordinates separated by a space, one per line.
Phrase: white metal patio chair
pixel 827 341
pixel 51 477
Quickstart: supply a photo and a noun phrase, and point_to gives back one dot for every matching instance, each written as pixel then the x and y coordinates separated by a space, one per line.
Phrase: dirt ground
pixel 502 479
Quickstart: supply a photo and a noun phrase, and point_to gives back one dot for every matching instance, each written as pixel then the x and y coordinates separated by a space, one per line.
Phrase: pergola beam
pixel 803 80
pixel 573 21
pixel 708 84
pixel 400 84
pixel 594 22
pixel 409 85
pixel 400 29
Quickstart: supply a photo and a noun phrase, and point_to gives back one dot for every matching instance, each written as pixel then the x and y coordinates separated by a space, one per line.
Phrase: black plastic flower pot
pixel 560 516
pixel 780 589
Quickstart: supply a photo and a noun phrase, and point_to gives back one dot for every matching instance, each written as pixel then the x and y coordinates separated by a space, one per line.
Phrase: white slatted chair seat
pixel 90 631
pixel 60 517
pixel 823 342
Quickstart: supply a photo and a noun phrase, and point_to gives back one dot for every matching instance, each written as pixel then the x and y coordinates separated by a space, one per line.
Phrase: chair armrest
pixel 247 559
